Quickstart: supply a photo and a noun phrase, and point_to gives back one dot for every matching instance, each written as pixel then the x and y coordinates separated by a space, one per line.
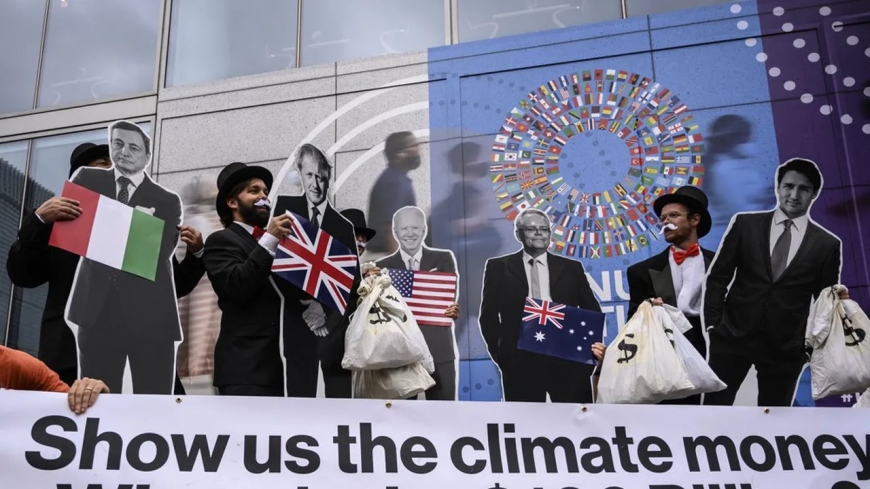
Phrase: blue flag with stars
pixel 560 331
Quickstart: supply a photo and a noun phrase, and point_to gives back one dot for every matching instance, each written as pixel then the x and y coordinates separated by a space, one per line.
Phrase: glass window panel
pixel 649 7
pixel 217 39
pixel 13 157
pixel 487 19
pixel 367 28
pixel 49 169
pixel 96 49
pixel 20 26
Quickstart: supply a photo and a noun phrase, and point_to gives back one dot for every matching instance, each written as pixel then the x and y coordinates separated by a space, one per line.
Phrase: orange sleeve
pixel 20 371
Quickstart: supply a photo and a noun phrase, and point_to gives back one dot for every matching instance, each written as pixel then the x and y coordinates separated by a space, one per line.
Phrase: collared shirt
pixel 137 180
pixel 688 278
pixel 543 275
pixel 267 241
pixel 798 231
pixel 320 208
pixel 416 257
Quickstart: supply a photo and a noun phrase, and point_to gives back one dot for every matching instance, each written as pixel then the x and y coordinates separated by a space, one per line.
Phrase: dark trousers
pixel 105 348
pixel 251 390
pixel 445 382
pixel 529 377
pixel 300 354
pixel 337 384
pixel 777 377
pixel 696 338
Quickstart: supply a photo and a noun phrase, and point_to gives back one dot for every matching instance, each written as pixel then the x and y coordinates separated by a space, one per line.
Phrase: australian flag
pixel 311 259
pixel 560 331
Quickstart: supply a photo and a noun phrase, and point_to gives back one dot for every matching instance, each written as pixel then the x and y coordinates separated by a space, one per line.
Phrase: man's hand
pixel 83 394
pixel 657 301
pixel 279 226
pixel 192 238
pixel 372 271
pixel 844 295
pixel 598 350
pixel 59 209
pixel 452 311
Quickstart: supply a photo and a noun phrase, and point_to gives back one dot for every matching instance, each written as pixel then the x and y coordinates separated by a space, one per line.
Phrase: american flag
pixel 317 263
pixel 427 294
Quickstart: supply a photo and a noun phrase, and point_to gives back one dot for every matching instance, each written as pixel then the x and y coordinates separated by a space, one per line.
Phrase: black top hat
pixel 86 153
pixel 693 198
pixel 358 219
pixel 232 175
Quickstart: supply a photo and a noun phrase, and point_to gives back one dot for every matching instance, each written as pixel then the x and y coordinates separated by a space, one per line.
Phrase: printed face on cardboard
pixel 532 230
pixel 409 229
pixel 129 147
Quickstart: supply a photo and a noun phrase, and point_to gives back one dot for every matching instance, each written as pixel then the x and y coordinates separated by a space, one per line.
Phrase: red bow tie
pixel 258 232
pixel 680 255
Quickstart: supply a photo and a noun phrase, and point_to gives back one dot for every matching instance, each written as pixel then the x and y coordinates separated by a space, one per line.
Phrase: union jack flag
pixel 311 259
pixel 544 312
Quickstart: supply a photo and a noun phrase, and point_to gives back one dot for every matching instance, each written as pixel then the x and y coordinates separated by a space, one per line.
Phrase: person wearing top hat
pixel 32 263
pixel 769 268
pixel 122 318
pixel 676 275
pixel 238 260
pixel 305 318
pixel 336 380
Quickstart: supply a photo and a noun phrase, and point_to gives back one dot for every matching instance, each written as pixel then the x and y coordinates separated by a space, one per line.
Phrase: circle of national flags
pixel 664 147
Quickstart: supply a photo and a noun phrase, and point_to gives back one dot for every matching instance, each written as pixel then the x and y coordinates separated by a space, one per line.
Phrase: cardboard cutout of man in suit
pixel 676 275
pixel 507 281
pixel 409 230
pixel 120 317
pixel 779 261
pixel 313 333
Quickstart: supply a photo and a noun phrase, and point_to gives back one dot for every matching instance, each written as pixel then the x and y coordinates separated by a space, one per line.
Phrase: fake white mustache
pixel 361 244
pixel 263 203
pixel 670 225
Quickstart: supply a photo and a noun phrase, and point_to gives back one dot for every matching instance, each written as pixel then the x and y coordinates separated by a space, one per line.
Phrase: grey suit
pixel 439 338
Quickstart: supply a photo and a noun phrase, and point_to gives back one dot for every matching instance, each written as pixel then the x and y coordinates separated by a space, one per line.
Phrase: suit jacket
pixel 32 263
pixel 652 278
pixel 758 310
pixel 439 338
pixel 150 305
pixel 505 289
pixel 248 348
pixel 332 348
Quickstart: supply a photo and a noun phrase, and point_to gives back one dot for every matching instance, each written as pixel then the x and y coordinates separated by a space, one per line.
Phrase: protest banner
pixel 154 442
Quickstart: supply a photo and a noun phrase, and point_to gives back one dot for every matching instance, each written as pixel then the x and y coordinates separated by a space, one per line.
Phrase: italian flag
pixel 110 233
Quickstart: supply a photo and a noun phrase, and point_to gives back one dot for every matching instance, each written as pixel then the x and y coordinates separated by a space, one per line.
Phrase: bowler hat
pixel 693 198
pixel 232 175
pixel 358 219
pixel 86 153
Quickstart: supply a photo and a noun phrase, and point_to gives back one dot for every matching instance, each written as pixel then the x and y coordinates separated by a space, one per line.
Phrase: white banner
pixel 163 442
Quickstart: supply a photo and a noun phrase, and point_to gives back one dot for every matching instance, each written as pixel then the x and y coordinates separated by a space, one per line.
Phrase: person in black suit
pixel 409 230
pixel 779 261
pixel 507 281
pixel 238 259
pixel 313 334
pixel 121 316
pixel 676 275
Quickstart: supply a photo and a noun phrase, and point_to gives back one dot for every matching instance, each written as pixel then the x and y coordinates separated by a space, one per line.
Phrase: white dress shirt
pixel 267 241
pixel 798 231
pixel 543 275
pixel 688 278
pixel 137 180
pixel 416 257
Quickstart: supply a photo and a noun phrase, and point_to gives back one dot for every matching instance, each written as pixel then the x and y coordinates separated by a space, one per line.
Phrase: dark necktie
pixel 536 282
pixel 124 193
pixel 315 216
pixel 779 257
